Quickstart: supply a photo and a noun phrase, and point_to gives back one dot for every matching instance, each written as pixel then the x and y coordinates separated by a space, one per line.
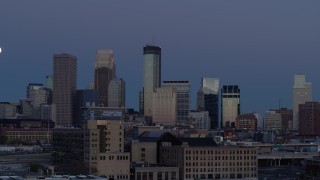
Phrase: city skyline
pixel 260 54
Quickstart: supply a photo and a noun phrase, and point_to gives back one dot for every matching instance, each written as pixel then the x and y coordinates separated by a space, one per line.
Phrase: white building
pixel 302 92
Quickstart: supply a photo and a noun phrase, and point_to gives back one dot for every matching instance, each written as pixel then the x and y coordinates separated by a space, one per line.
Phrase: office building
pixel 38 94
pixel 104 72
pixel 302 92
pixel 116 93
pixel 84 98
pixel 183 98
pixel 151 75
pixel 199 119
pixel 98 149
pixel 247 121
pixel 230 105
pixel 165 106
pixel 64 87
pixel 309 118
pixel 286 117
pixel 208 99
pixel 272 121
pixel 7 110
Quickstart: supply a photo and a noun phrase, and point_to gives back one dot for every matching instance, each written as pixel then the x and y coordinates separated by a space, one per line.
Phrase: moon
pixel 0 49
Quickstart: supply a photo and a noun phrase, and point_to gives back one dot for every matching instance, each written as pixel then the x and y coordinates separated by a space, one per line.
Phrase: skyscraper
pixel 116 93
pixel 151 75
pixel 64 87
pixel 208 99
pixel 230 105
pixel 302 92
pixel 183 98
pixel 104 72
pixel 165 106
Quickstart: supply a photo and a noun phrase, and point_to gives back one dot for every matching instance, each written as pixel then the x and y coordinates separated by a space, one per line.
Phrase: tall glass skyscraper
pixel 208 99
pixel 104 72
pixel 183 98
pixel 116 93
pixel 64 87
pixel 151 75
pixel 230 105
pixel 302 92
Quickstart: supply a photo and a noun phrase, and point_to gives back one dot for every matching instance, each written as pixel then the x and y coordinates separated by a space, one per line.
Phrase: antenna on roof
pixel 153 42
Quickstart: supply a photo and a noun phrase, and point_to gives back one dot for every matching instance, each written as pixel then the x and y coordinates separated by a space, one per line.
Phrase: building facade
pixel 272 121
pixel 104 72
pixel 302 92
pixel 116 93
pixel 38 94
pixel 230 105
pixel 208 99
pixel 247 122
pixel 199 119
pixel 151 76
pixel 165 106
pixel 64 87
pixel 309 118
pixel 183 98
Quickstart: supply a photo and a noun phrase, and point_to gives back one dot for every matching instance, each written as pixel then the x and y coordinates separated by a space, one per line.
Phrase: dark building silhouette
pixel 64 87
pixel 104 72
pixel 309 118
pixel 208 99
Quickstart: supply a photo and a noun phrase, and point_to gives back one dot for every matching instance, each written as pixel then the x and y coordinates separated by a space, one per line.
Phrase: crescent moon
pixel 0 50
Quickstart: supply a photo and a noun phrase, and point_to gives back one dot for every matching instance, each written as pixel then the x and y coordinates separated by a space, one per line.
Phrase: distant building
pixel 208 99
pixel 141 102
pixel 201 158
pixel 309 118
pixel 151 75
pixel 247 122
pixel 302 92
pixel 49 82
pixel 230 105
pixel 273 121
pixel 26 108
pixel 165 106
pixel 286 117
pixel 183 98
pixel 38 94
pixel 104 72
pixel 199 119
pixel 116 93
pixel 64 87
pixel 84 98
pixel 7 110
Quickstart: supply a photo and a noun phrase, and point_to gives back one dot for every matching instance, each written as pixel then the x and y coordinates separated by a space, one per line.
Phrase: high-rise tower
pixel 208 99
pixel 183 98
pixel 230 105
pixel 64 87
pixel 151 75
pixel 302 92
pixel 104 72
pixel 116 93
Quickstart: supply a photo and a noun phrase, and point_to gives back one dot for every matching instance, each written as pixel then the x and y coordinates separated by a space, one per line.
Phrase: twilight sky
pixel 258 45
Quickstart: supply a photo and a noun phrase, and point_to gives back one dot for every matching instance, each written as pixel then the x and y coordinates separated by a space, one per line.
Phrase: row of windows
pixel 225 151
pixel 218 176
pixel 114 157
pixel 232 169
pixel 196 164
pixel 220 158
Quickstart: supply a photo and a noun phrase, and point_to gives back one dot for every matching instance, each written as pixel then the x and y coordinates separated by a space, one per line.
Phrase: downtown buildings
pixel 230 105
